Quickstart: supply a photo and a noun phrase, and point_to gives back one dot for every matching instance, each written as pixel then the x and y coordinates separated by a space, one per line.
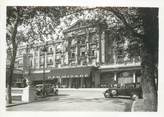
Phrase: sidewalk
pixel 15 103
pixel 140 105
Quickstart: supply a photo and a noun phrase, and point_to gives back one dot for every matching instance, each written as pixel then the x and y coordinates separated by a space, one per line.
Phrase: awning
pixel 75 72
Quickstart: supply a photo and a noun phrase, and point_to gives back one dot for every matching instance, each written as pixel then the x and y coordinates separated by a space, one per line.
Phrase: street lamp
pixel 44 49
pixel 26 66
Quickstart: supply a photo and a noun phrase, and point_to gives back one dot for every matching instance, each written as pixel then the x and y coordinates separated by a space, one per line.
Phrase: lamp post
pixel 27 67
pixel 44 49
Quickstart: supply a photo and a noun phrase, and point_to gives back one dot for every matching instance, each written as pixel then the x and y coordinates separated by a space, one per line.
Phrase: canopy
pixel 73 72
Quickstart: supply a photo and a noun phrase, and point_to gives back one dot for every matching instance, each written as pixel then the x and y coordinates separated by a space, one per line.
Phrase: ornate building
pixel 85 57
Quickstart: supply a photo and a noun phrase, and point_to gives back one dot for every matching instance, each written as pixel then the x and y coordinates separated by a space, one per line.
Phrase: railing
pixel 58 51
pixel 41 53
pixel 50 52
pixel 49 63
pixel 72 59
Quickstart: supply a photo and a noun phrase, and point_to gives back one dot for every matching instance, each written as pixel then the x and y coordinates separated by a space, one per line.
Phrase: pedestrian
pixel 56 89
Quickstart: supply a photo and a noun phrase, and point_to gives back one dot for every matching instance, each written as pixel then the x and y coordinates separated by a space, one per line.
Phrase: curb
pixel 82 89
pixel 11 105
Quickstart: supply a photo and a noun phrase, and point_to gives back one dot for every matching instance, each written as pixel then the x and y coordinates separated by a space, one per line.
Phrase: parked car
pixel 49 89
pixel 133 90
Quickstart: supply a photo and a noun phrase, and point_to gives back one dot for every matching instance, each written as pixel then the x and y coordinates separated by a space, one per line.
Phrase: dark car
pixel 46 90
pixel 133 90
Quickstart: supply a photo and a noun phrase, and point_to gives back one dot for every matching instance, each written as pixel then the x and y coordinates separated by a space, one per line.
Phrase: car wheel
pixel 113 93
pixel 107 94
pixel 134 96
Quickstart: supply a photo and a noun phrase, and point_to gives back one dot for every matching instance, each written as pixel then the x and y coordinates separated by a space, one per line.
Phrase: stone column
pixel 70 82
pixel 134 77
pixel 97 53
pixel 115 76
pixel 102 47
pixel 81 82
pixel 54 56
pixel 88 48
pixel 76 55
pixel 45 60
pixel 97 79
pixel 33 59
pixel 60 81
pixel 38 57
pixel 114 57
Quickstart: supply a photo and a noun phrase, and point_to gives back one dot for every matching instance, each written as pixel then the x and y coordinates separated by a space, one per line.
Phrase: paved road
pixel 76 101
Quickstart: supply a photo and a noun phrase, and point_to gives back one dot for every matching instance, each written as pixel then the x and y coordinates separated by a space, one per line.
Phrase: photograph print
pixel 73 58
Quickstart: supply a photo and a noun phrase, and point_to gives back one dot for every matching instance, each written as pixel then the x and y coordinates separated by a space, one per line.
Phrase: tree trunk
pixel 9 83
pixel 148 80
pixel 11 69
pixel 150 45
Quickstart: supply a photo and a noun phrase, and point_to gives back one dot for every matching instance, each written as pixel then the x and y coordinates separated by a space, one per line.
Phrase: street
pixel 76 100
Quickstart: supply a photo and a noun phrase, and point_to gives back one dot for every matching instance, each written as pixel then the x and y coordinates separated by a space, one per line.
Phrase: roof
pixel 79 25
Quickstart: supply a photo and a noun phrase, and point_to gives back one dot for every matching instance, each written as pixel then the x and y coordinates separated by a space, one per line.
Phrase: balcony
pixel 50 63
pixel 93 56
pixel 82 44
pixel 93 43
pixel 50 52
pixel 41 53
pixel 41 64
pixel 82 57
pixel 57 60
pixel 58 51
pixel 73 46
pixel 72 59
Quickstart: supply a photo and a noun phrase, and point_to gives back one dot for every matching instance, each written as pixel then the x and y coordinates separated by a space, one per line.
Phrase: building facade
pixel 84 58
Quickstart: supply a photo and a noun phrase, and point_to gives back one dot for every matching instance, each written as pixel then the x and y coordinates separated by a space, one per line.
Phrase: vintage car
pixel 132 89
pixel 45 90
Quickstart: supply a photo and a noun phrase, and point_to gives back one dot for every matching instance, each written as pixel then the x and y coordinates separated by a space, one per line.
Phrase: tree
pixel 146 29
pixel 149 55
pixel 14 19
pixel 18 16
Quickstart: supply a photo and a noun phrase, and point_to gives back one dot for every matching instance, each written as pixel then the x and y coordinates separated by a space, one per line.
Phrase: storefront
pixel 74 77
pixel 120 75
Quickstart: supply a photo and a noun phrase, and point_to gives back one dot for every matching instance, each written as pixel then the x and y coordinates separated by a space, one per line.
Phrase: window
pixel 82 41
pixel 84 63
pixel 50 62
pixel 82 53
pixel 73 55
pixel 73 42
pixel 50 49
pixel 31 63
pixel 92 52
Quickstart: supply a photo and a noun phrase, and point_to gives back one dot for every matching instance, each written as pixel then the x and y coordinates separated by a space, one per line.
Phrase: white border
pixel 137 3
pixel 130 3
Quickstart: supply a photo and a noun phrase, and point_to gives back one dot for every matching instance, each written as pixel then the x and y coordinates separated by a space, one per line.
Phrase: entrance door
pixel 76 83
